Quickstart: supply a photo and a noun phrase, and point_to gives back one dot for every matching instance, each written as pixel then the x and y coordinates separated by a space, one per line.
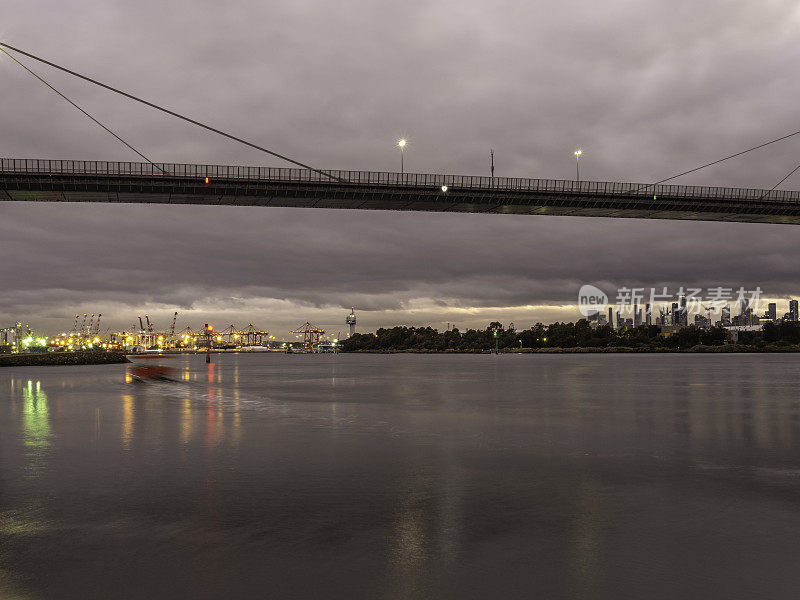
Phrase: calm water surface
pixel 404 476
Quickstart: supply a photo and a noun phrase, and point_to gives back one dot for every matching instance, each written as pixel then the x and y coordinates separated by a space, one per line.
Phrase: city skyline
pixel 370 322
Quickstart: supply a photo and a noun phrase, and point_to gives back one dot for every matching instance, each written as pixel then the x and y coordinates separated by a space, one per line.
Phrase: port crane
pixel 172 329
pixel 311 336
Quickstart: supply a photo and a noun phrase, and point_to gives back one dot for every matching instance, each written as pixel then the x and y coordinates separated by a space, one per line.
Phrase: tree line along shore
pixel 576 337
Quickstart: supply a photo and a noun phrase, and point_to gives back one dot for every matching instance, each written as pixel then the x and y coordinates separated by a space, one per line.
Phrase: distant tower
pixel 351 320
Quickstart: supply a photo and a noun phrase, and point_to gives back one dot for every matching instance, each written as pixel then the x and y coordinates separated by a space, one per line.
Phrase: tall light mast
pixel 351 321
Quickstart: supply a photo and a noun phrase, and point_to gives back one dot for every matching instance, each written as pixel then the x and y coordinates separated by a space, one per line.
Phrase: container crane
pixel 172 329
pixel 311 336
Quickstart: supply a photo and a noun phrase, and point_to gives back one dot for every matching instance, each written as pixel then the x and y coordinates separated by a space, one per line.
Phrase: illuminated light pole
pixel 401 143
pixel 578 153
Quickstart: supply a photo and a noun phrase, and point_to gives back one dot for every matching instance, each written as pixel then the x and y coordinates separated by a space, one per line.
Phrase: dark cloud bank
pixel 645 88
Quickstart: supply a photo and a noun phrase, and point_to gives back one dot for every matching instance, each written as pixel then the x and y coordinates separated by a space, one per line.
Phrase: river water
pixel 404 476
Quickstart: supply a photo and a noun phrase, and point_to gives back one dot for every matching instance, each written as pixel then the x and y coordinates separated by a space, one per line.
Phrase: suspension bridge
pixel 303 186
pixel 85 181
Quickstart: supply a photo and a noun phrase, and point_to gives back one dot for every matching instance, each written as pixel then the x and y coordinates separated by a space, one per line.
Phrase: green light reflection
pixel 35 416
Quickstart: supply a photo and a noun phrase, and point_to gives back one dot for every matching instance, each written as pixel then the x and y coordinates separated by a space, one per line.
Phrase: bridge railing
pixel 413 180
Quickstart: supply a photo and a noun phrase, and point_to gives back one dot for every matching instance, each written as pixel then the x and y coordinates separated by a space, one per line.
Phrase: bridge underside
pixel 165 189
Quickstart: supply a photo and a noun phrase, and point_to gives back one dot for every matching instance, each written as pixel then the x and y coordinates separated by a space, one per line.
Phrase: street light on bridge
pixel 401 143
pixel 578 153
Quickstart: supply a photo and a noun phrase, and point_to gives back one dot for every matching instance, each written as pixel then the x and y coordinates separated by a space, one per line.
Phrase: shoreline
pixel 54 359
pixel 726 349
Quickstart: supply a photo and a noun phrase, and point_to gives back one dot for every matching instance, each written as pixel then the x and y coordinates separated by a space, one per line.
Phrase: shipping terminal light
pixel 577 153
pixel 402 142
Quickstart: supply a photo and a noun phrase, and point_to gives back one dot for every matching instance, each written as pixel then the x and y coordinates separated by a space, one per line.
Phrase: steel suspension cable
pixel 716 162
pixel 169 112
pixel 772 189
pixel 40 78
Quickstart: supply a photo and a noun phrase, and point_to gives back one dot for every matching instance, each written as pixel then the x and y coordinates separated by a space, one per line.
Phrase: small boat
pixel 145 374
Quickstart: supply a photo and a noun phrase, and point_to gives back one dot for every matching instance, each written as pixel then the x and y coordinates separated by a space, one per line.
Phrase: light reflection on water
pixel 404 477
pixel 127 421
pixel 35 415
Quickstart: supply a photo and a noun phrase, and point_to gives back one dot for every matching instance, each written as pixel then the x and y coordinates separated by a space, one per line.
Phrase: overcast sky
pixel 647 89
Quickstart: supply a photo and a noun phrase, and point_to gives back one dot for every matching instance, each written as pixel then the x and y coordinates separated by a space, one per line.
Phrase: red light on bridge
pixel 208 180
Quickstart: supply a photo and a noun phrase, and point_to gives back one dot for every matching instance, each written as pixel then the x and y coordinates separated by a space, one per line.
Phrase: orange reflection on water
pixel 213 411
pixel 127 421
pixel 236 425
pixel 213 426
pixel 186 421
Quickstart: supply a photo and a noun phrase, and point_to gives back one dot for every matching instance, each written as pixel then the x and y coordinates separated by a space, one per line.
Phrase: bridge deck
pixel 33 180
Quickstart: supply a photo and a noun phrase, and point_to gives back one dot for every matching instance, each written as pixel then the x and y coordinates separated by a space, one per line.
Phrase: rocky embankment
pixel 88 357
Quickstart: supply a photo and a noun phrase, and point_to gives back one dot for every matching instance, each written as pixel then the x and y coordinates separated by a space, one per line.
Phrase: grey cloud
pixel 648 89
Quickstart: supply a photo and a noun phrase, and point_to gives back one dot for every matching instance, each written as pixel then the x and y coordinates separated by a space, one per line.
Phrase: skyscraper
pixel 684 315
pixel 772 311
pixel 793 310
pixel 725 315
pixel 745 313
